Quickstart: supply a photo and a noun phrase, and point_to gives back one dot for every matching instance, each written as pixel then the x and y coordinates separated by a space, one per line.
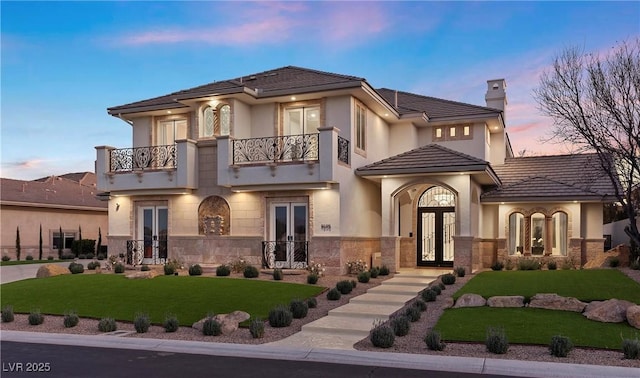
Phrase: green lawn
pixel 189 298
pixel 537 326
pixel 25 262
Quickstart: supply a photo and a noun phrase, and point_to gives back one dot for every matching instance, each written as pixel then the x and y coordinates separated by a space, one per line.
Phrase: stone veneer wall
pixel 591 248
pixel 216 249
pixel 408 250
pixel 335 252
pixel 574 252
pixel 118 245
pixel 389 248
pixel 464 255
pixel 487 252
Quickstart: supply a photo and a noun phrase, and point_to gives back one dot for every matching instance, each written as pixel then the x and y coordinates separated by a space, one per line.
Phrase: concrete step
pixel 364 310
pixel 387 299
pixel 397 289
pixel 323 340
pixel 341 324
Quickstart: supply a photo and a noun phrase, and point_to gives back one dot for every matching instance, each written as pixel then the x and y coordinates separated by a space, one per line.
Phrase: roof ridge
pixel 440 99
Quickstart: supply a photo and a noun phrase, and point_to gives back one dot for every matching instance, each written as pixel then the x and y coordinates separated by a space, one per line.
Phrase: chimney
pixel 496 96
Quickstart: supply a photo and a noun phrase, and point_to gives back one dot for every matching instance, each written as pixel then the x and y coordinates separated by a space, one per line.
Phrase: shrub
pixel 67 256
pixel 448 279
pixel 280 316
pixel 316 268
pixel 508 265
pixel 141 323
pixel 552 265
pixel 312 302
pixel 70 319
pixel 631 349
pixel 277 274
pixel 312 278
pixel 529 264
pixel 7 314
pixel 118 268
pixel 6 258
pixel 29 257
pixel 344 286
pixel 90 255
pixel 169 269
pixel 145 268
pixel 49 257
pixel 82 256
pixel 635 264
pixel 428 295
pixel 92 265
pixel 413 313
pixel 107 325
pixel 256 328
pixel 614 261
pixel 384 271
pixel 436 288
pixel 497 266
pixel 101 256
pixel 76 268
pixel 251 272
pixel 400 325
pixel 434 341
pixel 496 341
pixel 36 317
pixel 420 305
pixel 195 270
pixel 238 266
pixel 382 336
pixel 355 267
pixel 442 286
pixel 211 327
pixel 364 277
pixel 298 308
pixel 560 346
pixel 170 323
pixel 567 264
pixel 333 294
pixel 223 271
pixel 354 284
pixel 374 272
pixel 460 271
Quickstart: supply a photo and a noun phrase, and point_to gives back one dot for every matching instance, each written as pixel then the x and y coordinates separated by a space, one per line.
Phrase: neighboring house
pixel 68 202
pixel 294 165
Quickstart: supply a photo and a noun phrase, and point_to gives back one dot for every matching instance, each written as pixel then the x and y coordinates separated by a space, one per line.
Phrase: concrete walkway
pixel 346 325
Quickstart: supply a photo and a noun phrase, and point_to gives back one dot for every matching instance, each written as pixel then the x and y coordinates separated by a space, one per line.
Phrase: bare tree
pixel 595 104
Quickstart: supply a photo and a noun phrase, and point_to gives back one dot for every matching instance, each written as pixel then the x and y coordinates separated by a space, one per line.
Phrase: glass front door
pixel 436 228
pixel 153 230
pixel 289 234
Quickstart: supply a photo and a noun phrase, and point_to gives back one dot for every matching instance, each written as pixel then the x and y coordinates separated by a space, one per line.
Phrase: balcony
pixel 165 169
pixel 288 162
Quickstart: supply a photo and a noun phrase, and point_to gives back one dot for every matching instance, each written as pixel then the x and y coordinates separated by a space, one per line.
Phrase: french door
pixel 436 228
pixel 153 230
pixel 288 233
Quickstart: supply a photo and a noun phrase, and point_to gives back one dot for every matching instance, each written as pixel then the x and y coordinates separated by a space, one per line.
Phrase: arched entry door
pixel 436 227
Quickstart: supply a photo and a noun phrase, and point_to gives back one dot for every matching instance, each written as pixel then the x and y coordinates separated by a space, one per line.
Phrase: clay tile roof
pixel 53 191
pixel 433 107
pixel 556 177
pixel 432 158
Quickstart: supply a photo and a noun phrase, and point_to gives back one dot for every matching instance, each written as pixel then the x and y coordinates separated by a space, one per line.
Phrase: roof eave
pixel 140 109
pixel 421 170
pixel 568 198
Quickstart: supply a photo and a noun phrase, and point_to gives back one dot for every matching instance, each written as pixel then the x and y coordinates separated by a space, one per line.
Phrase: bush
pixel 90 255
pixel 496 341
pixel 560 346
pixel 631 349
pixel 434 341
pixel 223 271
pixel 67 256
pixel 107 325
pixel 280 316
pixel 529 264
pixel 238 266
pixel 508 265
pixel 277 274
pixel 298 308
pixel 364 277
pixel 312 279
pixel 36 317
pixel 312 302
pixel 333 294
pixel 29 257
pixel 635 264
pixel 169 269
pixel 118 268
pixel 355 267
pixel 251 272
pixel 374 272
pixel 145 268
pixel 49 257
pixel 436 288
pixel 170 323
pixel 83 247
pixel 102 256
pixel 141 323
pixel 256 328
pixel 7 314
pixel 497 266
pixel 92 265
pixel 552 265
pixel 70 319
pixel 76 268
pixel 6 258
pixel 382 336
pixel 460 271
pixel 211 327
pixel 428 295
pixel 82 256
pixel 354 283
pixel 413 313
pixel 195 270
pixel 448 279
pixel 400 325
pixel 344 286
pixel 384 271
pixel 420 305
pixel 442 286
pixel 614 261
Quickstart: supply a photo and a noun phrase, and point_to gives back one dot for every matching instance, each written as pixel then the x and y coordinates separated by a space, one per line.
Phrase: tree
pixel 99 246
pixel 40 244
pixel 18 243
pixel 60 244
pixel 80 249
pixel 594 102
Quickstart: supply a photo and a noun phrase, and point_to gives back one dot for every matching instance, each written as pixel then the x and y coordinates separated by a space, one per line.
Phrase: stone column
pixel 463 252
pixel 390 252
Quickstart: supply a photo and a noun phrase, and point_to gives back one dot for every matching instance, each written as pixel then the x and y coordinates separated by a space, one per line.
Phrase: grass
pixel 537 326
pixel 26 262
pixel 585 285
pixel 189 298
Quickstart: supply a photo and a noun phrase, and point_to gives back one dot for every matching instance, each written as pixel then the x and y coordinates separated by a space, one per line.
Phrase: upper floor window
pixel 453 132
pixel 170 130
pixel 216 121
pixel 361 127
pixel 301 120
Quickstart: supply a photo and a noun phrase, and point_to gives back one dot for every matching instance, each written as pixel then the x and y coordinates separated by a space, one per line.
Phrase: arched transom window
pixel 437 196
pixel 216 121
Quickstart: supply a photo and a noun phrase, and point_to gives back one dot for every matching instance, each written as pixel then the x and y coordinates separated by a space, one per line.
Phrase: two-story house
pixel 294 165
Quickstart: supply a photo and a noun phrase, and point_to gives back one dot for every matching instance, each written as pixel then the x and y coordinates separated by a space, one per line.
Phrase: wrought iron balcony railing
pixel 137 250
pixel 285 254
pixel 138 158
pixel 276 149
pixel 343 150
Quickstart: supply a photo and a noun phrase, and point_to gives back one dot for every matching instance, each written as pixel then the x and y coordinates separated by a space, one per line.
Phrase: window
pixel 68 239
pixel 225 119
pixel 438 133
pixel 170 130
pixel 452 132
pixel 209 122
pixel 466 131
pixel 516 233
pixel 216 121
pixel 559 233
pixel 301 120
pixel 538 233
pixel 361 126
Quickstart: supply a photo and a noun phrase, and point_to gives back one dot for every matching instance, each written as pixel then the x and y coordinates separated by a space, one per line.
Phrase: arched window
pixel 538 233
pixel 437 196
pixel 224 116
pixel 559 233
pixel 209 122
pixel 216 121
pixel 516 233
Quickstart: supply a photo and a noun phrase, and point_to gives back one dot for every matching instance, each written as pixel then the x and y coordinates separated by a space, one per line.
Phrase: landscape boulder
pixel 556 302
pixel 470 300
pixel 447 303
pixel 609 311
pixel 51 270
pixel 506 301
pixel 142 275
pixel 228 322
pixel 633 316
